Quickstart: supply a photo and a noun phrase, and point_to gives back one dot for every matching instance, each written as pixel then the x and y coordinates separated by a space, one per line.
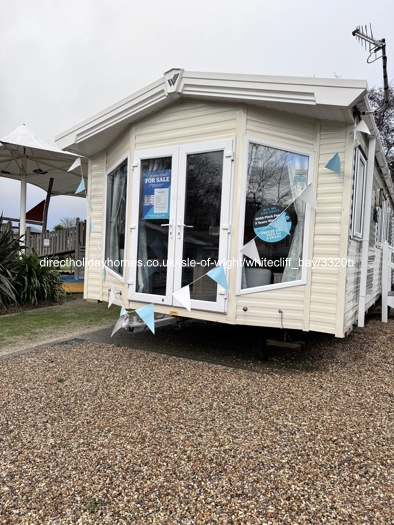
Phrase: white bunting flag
pixel 183 296
pixel 250 250
pixel 308 195
pixel 112 295
pixel 362 127
pixel 75 164
pixel 119 323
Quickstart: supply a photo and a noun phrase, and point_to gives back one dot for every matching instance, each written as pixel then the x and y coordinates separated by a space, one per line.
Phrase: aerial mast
pixel 374 46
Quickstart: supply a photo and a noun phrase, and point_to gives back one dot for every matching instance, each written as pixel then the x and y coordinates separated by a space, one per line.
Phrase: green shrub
pixel 9 262
pixel 35 282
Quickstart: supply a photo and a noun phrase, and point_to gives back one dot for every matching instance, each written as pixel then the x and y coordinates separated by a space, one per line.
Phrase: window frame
pixel 382 226
pixel 120 277
pixel 307 223
pixel 358 210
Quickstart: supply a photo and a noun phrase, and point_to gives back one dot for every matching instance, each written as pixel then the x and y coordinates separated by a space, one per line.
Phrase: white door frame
pixel 176 221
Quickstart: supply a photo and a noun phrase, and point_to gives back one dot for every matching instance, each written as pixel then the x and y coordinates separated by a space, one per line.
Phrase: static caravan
pixel 240 199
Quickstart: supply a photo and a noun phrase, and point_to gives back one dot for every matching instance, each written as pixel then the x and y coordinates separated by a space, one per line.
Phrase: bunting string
pixel 217 274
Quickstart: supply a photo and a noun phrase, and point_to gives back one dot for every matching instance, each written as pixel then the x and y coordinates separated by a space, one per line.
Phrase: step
pixel 390 299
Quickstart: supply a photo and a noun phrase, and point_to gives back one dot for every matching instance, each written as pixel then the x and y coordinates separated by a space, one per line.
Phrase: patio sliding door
pixel 180 223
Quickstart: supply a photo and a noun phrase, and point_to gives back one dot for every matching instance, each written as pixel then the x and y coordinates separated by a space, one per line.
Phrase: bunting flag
pixel 105 273
pixel 218 275
pixel 250 250
pixel 281 224
pixel 112 296
pixel 81 187
pixel 308 195
pixel 76 164
pixel 119 323
pixel 183 296
pixel 91 227
pixel 334 164
pixel 146 313
pixel 122 311
pixel 362 127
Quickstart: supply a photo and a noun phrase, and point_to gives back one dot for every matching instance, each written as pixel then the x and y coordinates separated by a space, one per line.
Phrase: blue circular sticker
pixel 272 223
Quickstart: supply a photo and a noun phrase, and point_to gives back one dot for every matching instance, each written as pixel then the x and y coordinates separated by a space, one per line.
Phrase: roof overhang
pixel 325 99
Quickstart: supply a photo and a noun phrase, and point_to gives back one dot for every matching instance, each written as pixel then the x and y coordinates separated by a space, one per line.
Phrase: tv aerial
pixel 378 49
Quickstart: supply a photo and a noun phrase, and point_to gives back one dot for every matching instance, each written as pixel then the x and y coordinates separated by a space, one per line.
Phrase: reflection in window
pixel 382 214
pixel 153 226
pixel 116 218
pixel 202 221
pixel 275 178
pixel 359 195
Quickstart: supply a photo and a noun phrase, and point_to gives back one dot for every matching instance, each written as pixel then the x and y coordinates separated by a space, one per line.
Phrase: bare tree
pixel 66 222
pixel 385 122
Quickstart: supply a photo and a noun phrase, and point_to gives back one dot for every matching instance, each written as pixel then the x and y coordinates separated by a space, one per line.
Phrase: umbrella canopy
pixel 26 157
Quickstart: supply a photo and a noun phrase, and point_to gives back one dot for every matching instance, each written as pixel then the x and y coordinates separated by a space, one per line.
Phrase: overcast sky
pixel 62 61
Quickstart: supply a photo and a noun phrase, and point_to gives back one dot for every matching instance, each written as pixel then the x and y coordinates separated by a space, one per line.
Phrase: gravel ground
pixel 94 433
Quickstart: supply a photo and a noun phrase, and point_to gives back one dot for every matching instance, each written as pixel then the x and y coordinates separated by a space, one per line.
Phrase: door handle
pixel 169 224
pixel 181 225
pixel 184 225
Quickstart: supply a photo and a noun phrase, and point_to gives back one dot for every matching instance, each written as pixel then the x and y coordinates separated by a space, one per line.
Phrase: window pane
pixel 155 192
pixel 116 218
pixel 202 219
pixel 358 195
pixel 274 217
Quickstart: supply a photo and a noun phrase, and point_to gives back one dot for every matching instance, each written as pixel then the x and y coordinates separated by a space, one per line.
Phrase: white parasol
pixel 26 157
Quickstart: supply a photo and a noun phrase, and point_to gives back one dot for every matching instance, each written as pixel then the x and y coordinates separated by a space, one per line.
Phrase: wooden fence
pixel 66 242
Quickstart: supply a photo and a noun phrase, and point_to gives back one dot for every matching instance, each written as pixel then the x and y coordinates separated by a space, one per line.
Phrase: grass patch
pixel 21 329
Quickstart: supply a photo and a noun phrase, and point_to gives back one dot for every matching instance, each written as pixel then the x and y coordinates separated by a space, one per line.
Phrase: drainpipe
pixel 366 231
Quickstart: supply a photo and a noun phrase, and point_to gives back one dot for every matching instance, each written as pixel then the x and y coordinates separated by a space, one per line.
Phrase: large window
pixel 360 175
pixel 116 218
pixel 275 178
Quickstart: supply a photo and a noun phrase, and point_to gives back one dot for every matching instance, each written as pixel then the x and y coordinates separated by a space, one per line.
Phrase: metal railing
pixel 387 267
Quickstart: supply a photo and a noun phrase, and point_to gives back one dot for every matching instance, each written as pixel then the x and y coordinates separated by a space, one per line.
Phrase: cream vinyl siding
pixel 330 234
pixel 353 283
pixel 95 287
pixel 118 151
pixel 186 123
pixel 263 308
pixel 373 273
pixel 278 130
pixel 94 238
